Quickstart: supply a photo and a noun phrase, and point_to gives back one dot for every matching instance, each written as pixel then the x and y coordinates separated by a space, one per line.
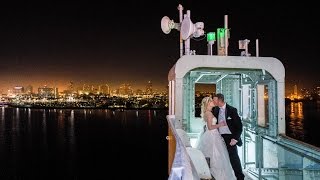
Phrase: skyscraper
pixel 295 91
pixel 29 89
pixel 149 88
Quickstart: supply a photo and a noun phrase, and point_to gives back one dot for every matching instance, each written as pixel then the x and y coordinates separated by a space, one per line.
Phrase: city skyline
pixel 95 86
pixel 54 43
pixel 208 88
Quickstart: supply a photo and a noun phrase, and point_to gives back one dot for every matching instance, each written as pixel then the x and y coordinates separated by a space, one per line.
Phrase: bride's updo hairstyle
pixel 204 105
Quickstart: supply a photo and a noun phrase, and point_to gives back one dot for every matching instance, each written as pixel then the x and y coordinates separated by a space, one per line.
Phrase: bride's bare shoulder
pixel 208 114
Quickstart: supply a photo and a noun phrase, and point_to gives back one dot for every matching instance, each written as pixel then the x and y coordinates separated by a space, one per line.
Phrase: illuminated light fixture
pixel 221 37
pixel 211 36
pixel 221 32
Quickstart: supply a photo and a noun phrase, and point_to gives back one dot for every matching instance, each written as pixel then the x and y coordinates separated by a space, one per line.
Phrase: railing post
pixel 244 149
pixel 261 154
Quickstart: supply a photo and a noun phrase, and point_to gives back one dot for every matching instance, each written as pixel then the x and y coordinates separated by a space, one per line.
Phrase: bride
pixel 212 145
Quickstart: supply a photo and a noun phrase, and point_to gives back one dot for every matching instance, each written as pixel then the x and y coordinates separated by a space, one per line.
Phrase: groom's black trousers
pixel 234 157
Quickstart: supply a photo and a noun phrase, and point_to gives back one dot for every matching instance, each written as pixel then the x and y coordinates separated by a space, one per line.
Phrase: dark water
pixel 303 121
pixel 104 144
pixel 82 144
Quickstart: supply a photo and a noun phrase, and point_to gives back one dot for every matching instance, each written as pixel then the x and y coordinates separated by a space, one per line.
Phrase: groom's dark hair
pixel 219 96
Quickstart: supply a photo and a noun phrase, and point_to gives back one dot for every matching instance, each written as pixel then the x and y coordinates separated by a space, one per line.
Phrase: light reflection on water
pixel 149 117
pixel 29 120
pixel 15 120
pixel 2 119
pixel 69 143
pixel 44 122
pixel 302 118
pixel 296 119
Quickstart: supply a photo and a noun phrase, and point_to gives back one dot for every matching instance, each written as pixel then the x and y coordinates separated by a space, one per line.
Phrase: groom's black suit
pixel 235 126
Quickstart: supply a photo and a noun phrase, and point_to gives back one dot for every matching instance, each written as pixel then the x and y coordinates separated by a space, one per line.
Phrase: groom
pixel 230 133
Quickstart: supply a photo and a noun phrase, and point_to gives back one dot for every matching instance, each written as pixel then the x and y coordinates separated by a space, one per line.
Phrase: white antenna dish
pixel 167 24
pixel 188 28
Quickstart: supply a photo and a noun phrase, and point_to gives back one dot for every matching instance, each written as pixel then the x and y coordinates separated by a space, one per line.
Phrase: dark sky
pixel 53 43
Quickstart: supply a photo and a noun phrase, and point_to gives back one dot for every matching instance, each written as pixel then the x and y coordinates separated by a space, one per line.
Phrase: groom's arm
pixel 237 124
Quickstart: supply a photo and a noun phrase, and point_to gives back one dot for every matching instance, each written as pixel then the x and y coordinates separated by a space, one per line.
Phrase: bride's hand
pixel 223 123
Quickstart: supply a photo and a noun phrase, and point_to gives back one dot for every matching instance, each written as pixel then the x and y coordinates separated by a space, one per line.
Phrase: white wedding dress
pixel 213 146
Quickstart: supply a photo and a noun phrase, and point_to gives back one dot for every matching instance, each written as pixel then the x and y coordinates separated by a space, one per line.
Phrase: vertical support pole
pixel 180 8
pixel 170 94
pixel 172 98
pixel 244 148
pixel 260 156
pixel 247 51
pixel 210 49
pixel 226 34
pixel 187 42
pixel 257 48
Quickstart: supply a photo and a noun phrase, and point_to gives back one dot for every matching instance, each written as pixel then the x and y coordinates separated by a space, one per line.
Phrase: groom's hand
pixel 223 123
pixel 233 142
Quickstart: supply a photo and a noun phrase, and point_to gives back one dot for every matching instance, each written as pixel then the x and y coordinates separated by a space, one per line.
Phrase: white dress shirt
pixel 222 117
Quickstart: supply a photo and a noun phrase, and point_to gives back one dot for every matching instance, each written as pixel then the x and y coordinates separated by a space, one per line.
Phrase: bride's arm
pixel 210 126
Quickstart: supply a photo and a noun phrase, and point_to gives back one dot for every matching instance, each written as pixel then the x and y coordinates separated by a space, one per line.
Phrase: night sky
pixel 52 43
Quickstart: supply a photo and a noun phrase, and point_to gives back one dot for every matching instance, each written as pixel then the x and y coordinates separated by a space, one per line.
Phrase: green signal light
pixel 211 36
pixel 221 32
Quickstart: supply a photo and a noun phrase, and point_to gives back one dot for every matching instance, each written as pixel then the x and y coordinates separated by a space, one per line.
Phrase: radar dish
pixel 187 28
pixel 167 24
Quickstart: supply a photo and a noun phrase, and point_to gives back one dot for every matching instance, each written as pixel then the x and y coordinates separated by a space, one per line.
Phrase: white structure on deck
pixel 256 87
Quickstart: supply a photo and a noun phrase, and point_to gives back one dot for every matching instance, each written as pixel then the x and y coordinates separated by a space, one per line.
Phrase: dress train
pixel 213 146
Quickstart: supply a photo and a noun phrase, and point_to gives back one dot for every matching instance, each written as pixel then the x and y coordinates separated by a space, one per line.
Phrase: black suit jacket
pixel 233 121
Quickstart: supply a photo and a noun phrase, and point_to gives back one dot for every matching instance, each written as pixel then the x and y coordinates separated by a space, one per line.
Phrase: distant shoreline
pixel 287 100
pixel 109 108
